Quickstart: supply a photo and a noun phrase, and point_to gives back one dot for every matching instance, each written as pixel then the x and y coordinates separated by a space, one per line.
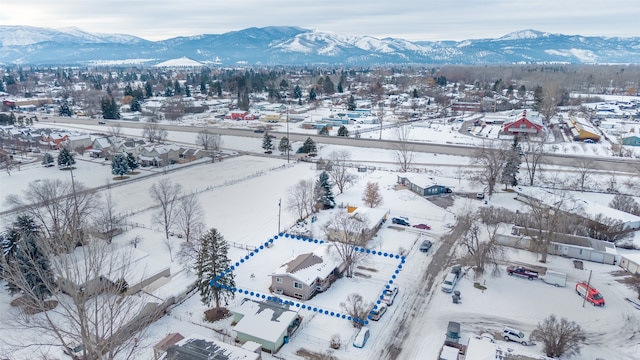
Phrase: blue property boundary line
pixel 322 311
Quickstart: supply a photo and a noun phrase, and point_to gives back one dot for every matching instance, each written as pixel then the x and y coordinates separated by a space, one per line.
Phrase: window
pixel 297 285
pixel 279 280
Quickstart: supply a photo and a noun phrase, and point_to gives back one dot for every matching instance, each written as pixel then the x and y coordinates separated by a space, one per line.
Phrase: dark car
pixel 422 226
pixel 425 246
pixel 400 221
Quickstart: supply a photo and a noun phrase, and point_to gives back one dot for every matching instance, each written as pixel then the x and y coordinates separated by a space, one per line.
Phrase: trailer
pixel 555 278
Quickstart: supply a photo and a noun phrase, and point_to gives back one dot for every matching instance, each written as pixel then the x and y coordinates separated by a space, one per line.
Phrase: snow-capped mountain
pixel 284 45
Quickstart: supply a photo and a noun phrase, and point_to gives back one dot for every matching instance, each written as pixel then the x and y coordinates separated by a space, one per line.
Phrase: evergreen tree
pixel 351 105
pixel 312 94
pixel 148 89
pixel 47 159
pixel 135 105
pixel 187 91
pixel 119 165
pixel 267 144
pixel 35 267
pixel 65 159
pixel 218 88
pixel 284 145
pixel 327 86
pixel 324 192
pixel 297 92
pixel 415 93
pixel 308 147
pixel 342 131
pixel 215 280
pixel 177 88
pixel 340 88
pixel 132 162
pixel 64 109
pixel 110 108
pixel 512 165
pixel 324 131
pixel 128 91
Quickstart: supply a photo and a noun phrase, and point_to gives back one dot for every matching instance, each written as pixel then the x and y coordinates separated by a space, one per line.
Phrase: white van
pixel 362 337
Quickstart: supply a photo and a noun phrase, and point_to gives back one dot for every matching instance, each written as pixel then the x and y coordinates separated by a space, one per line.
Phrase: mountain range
pixel 288 45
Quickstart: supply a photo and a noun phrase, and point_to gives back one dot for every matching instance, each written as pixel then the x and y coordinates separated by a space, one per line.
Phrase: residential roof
pixel 198 347
pixel 264 320
pixel 310 266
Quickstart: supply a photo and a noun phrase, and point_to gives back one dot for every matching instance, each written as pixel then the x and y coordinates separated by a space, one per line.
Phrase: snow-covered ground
pixel 241 197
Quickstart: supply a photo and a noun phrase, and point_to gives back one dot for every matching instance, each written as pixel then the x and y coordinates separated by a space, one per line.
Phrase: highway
pixel 612 164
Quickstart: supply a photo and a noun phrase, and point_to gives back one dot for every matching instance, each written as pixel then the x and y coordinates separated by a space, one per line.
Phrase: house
pixel 100 147
pixel 566 245
pixel 523 125
pixel 633 140
pixel 581 130
pixel 54 140
pixel 130 267
pixel 161 347
pixel 191 154
pixel 240 115
pixel 423 187
pixel 199 347
pixel 160 155
pixel 372 219
pixel 306 274
pixel 77 141
pixel 267 323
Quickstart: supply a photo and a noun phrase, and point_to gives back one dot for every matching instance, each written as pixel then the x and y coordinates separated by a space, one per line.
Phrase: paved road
pixel 621 165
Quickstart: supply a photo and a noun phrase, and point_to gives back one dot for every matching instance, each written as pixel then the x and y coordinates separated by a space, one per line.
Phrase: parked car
pixel 388 295
pixel 425 246
pixel 377 312
pixel 422 226
pixel 453 333
pixel 590 293
pixel 75 351
pixel 259 131
pixel 400 221
pixel 480 196
pixel 101 123
pixel 511 334
pixel 522 271
pixel 362 337
pixel 451 280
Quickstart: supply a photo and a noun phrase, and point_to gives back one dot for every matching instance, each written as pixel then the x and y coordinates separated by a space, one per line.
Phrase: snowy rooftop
pixel 310 266
pixel 263 320
pixel 209 348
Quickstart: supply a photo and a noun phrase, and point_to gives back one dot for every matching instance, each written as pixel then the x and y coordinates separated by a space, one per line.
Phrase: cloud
pixel 451 20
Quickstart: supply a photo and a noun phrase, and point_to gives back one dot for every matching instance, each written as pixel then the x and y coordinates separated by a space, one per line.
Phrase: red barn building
pixel 523 125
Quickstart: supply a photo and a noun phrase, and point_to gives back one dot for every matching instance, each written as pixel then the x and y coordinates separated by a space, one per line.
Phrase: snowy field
pixel 240 197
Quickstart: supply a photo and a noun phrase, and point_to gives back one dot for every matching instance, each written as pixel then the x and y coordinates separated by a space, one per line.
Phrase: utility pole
pixel 586 293
pixel 279 211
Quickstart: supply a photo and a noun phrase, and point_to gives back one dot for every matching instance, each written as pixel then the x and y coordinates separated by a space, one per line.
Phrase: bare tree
pixel 190 217
pixel 153 132
pixel 584 168
pixel 109 220
pixel 356 307
pixel 166 195
pixel 551 97
pixel 347 232
pixel 208 140
pixel 534 152
pixel 338 169
pixel 62 209
pixel 543 222
pixel 480 244
pixel 174 108
pixel 300 198
pixel 371 195
pixel 403 150
pixel 89 308
pixel 625 203
pixel 115 131
pixel 492 161
pixel 560 337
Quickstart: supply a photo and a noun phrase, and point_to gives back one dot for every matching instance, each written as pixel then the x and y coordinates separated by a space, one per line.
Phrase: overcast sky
pixel 408 19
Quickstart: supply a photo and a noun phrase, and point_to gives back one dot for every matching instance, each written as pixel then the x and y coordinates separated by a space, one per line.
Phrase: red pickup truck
pixel 522 271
